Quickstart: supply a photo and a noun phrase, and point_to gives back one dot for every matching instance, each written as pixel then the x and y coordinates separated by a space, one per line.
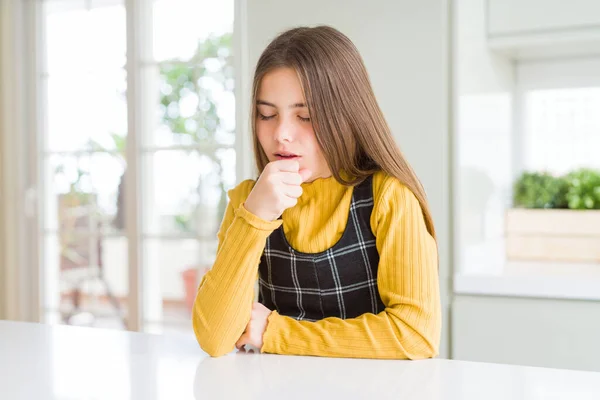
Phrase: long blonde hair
pixel 348 123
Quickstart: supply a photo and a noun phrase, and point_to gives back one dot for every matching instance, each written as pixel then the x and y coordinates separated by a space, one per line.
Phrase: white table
pixel 60 362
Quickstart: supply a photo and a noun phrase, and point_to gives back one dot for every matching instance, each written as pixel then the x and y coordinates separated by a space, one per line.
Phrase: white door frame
pixel 20 281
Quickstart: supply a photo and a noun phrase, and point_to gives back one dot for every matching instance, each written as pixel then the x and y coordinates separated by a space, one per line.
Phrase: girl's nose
pixel 283 133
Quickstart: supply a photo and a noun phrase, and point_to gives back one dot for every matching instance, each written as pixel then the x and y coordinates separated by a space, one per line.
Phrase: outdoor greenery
pixel 212 64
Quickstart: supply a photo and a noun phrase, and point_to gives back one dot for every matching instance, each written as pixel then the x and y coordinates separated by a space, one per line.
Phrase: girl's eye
pixel 304 119
pixel 265 117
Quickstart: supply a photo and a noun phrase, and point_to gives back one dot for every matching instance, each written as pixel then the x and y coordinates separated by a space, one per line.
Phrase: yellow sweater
pixel 408 328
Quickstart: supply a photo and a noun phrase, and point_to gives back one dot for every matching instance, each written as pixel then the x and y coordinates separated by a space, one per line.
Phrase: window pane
pixel 85 109
pixel 86 279
pixel 562 130
pixel 84 254
pixel 85 187
pixel 185 192
pixel 188 92
pixel 180 24
pixel 81 39
pixel 196 104
pixel 172 272
pixel 86 80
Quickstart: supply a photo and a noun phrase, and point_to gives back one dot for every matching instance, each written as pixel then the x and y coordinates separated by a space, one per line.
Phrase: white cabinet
pixel 520 17
pixel 533 29
pixel 538 332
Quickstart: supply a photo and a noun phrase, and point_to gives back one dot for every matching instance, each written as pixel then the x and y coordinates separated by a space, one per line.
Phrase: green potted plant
pixel 540 190
pixel 555 218
pixel 583 189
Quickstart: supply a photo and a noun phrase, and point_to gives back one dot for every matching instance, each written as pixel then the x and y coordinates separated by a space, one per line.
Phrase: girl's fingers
pixel 242 341
pixel 291 178
pixel 292 191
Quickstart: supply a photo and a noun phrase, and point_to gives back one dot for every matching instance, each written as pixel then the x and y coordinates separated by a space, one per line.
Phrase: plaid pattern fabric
pixel 339 282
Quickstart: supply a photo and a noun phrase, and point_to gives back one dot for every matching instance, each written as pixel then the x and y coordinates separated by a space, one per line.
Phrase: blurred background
pixel 123 123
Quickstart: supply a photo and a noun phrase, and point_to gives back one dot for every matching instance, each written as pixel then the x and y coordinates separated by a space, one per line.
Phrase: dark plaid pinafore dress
pixel 338 282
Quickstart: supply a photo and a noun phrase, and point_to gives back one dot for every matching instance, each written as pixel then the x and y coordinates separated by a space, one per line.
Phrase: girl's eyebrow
pixel 298 105
pixel 266 103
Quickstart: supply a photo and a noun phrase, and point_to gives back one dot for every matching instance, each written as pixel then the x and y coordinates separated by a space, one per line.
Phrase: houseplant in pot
pixel 555 218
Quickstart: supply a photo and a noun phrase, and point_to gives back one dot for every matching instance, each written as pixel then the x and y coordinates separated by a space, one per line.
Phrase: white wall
pixel 405 47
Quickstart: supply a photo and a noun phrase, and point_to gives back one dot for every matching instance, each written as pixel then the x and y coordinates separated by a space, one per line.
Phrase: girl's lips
pixel 286 157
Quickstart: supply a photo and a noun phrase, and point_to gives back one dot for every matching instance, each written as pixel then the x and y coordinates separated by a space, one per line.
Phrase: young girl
pixel 336 227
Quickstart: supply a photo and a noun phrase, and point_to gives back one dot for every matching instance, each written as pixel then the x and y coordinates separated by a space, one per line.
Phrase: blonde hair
pixel 349 125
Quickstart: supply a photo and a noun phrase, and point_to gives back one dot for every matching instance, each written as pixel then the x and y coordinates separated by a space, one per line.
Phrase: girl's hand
pixel 277 189
pixel 253 335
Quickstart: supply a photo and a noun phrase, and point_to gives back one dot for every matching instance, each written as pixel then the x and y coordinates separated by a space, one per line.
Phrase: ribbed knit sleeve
pixel 224 300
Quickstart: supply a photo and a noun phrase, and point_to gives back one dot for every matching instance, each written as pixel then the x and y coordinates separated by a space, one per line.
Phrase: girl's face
pixel 283 124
